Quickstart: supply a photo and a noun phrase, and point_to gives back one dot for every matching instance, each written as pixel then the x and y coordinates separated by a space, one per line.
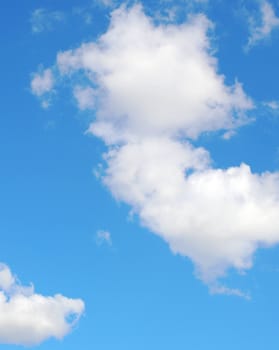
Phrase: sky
pixel 139 174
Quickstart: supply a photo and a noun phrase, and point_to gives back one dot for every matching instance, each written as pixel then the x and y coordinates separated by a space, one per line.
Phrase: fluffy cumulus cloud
pixel 28 318
pixel 261 28
pixel 216 217
pixel 156 80
pixel 157 87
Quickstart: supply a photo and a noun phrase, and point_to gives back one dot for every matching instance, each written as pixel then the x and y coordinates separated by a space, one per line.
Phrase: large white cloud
pixel 218 218
pixel 28 318
pixel 156 86
pixel 156 79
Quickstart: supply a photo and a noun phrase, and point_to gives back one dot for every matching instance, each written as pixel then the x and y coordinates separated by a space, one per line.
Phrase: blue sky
pixel 127 218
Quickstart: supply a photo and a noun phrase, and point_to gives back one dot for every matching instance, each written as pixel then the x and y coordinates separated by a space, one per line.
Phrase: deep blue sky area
pixel 54 209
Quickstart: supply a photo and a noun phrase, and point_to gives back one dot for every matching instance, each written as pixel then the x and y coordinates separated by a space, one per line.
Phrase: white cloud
pixel 229 291
pixel 261 29
pixel 6 278
pixel 272 104
pixel 138 67
pixel 85 97
pixel 103 237
pixel 44 20
pixel 217 218
pixel 45 103
pixel 155 87
pixel 228 134
pixel 28 318
pixel 42 83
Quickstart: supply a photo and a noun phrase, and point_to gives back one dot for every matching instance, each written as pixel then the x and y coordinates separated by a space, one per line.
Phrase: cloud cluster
pixel 156 87
pixel 28 318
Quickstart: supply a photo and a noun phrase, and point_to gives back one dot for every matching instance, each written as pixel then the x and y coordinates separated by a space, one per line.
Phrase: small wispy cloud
pixel 45 20
pixel 42 84
pixel 261 28
pixel 228 134
pixel 84 13
pixel 274 105
pixel 103 237
pixel 107 3
pixel 219 289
